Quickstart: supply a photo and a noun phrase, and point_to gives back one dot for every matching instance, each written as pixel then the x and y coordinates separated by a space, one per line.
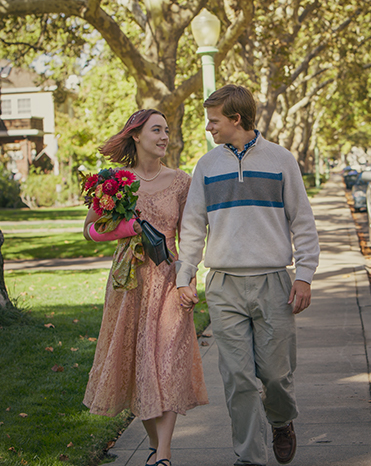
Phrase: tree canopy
pixel 304 59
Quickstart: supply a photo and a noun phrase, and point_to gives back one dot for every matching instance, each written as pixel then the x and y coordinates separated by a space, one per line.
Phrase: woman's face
pixel 154 136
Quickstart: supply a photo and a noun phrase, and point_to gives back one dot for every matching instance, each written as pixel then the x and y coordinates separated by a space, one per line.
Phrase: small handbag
pixel 154 243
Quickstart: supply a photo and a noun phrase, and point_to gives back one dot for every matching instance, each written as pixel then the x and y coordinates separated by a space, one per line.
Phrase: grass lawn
pixel 48 245
pixel 45 213
pixel 57 423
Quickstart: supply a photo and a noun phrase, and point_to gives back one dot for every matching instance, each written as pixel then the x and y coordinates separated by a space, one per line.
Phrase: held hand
pixel 301 292
pixel 188 296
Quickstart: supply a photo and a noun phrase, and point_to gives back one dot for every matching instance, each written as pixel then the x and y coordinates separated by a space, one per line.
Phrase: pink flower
pixel 91 181
pixel 97 209
pixel 125 177
pixel 110 187
pixel 119 195
pixel 99 191
pixel 106 202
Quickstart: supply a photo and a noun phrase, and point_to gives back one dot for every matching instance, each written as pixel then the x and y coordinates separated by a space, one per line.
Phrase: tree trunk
pixel 4 298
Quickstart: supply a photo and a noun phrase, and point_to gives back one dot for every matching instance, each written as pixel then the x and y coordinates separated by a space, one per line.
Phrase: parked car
pixel 359 190
pixel 350 178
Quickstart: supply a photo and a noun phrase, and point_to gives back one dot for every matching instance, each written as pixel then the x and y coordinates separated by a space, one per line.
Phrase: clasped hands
pixel 188 296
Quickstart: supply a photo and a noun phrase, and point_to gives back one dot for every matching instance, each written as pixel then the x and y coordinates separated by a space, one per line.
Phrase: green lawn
pixel 56 423
pixel 48 245
pixel 45 213
pixel 72 303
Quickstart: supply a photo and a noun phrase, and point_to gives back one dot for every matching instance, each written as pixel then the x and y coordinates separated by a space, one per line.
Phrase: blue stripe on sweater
pixel 244 202
pixel 247 174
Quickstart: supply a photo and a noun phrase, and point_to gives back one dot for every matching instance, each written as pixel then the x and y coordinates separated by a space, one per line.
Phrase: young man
pixel 248 197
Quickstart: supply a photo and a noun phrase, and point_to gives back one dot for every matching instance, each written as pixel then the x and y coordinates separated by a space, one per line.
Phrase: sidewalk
pixel 332 379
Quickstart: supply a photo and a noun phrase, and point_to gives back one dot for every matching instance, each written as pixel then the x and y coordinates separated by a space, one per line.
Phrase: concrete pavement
pixel 332 379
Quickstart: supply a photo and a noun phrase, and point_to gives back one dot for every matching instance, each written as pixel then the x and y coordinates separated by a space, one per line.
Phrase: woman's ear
pixel 136 138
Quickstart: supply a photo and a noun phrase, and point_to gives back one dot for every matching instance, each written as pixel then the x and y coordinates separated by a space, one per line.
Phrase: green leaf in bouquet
pixel 120 208
pixel 105 173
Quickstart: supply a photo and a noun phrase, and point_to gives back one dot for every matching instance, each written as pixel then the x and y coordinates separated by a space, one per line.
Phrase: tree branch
pixel 315 52
pixel 305 100
pixel 137 12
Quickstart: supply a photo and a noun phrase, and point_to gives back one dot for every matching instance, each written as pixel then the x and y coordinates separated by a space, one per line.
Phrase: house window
pixel 24 105
pixel 6 107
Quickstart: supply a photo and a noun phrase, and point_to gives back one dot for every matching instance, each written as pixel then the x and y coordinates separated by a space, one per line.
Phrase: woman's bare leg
pixel 150 426
pixel 165 428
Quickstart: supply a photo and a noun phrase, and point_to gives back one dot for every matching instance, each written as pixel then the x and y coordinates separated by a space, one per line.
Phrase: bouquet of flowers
pixel 112 194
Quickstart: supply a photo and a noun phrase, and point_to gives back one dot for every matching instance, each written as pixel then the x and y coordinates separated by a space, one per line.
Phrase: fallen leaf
pixel 1 423
pixel 59 343
pixel 100 255
pixel 49 325
pixel 204 343
pixel 12 449
pixel 49 348
pixel 8 435
pixel 57 368
pixel 50 316
pixel 63 458
pixel 207 335
pixel 23 414
pixel 75 365
pixel 61 414
pixel 66 242
pixel 70 445
pixel 110 444
pixel 75 321
pixel 74 349
pixel 23 461
pixel 92 339
pixel 202 311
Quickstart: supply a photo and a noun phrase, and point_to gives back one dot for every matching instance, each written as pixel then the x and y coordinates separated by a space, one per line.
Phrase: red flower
pixel 91 181
pixel 97 209
pixel 110 187
pixel 106 202
pixel 125 177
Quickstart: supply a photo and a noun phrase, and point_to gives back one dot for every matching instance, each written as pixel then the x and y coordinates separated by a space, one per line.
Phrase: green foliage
pixel 9 192
pixel 41 189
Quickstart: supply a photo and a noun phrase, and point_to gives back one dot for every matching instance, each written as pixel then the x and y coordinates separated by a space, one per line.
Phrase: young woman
pixel 147 357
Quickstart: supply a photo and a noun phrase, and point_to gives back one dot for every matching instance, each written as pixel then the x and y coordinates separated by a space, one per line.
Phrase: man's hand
pixel 301 292
pixel 188 296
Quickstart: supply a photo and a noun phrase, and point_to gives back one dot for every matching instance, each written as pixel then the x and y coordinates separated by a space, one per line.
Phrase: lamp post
pixel 206 30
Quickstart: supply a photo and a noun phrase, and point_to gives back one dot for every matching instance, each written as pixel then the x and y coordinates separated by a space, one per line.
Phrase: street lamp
pixel 206 30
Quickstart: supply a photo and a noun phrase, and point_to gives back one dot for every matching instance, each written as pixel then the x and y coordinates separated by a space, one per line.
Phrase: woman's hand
pixel 188 296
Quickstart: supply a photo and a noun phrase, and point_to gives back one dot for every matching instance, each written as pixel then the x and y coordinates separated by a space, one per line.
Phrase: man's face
pixel 222 128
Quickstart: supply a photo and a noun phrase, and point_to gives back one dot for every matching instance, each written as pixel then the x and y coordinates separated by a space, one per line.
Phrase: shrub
pixel 9 192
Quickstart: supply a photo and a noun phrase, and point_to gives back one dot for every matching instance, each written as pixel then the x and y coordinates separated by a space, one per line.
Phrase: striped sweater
pixel 251 212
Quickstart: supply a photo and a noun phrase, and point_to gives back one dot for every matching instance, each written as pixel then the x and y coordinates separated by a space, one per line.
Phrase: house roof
pixel 22 78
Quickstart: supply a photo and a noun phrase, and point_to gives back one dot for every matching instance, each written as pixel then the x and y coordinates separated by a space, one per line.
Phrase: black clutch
pixel 154 243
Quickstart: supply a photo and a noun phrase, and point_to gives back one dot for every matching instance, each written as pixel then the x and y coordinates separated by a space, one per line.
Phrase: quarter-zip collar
pixel 241 155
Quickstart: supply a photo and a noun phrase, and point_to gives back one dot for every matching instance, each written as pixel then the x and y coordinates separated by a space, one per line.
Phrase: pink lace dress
pixel 147 357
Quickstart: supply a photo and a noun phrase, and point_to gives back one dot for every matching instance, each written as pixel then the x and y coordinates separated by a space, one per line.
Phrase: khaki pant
pixel 255 331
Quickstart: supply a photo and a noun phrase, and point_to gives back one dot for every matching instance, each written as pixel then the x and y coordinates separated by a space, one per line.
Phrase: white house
pixel 26 121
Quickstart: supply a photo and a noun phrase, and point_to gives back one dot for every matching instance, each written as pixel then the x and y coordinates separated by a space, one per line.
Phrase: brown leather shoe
pixel 284 443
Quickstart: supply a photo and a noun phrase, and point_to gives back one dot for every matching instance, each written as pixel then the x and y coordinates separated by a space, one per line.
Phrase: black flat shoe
pixel 153 452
